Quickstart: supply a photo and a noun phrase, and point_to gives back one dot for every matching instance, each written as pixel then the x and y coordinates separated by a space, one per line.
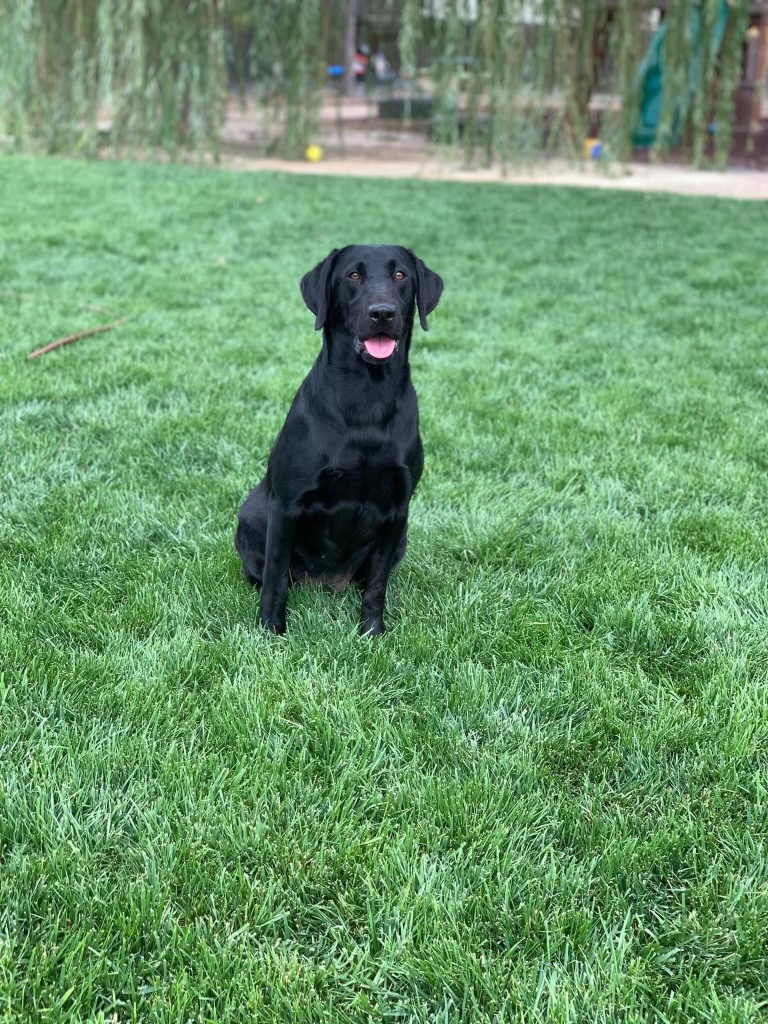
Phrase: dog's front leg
pixel 377 576
pixel 277 560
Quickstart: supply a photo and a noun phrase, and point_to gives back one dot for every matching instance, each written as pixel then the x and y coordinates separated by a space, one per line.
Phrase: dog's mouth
pixel 380 347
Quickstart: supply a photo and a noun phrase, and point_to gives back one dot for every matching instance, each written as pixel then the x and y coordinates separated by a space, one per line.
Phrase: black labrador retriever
pixel 333 506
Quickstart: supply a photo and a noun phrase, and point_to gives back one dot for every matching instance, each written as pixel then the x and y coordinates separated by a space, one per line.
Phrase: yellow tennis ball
pixel 313 153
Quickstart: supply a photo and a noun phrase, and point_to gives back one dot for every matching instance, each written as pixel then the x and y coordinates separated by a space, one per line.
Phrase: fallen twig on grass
pixel 75 337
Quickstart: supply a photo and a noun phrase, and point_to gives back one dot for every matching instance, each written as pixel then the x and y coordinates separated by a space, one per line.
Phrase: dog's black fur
pixel 333 505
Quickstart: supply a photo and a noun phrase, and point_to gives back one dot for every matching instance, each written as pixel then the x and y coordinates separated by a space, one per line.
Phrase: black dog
pixel 333 505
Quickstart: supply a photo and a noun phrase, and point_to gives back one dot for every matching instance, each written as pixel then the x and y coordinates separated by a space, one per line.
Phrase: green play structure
pixel 651 75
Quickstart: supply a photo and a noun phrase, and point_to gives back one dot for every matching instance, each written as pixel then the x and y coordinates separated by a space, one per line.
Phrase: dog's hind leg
pixel 251 535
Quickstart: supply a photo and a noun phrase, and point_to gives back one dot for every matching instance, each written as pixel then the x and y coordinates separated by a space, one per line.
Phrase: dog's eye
pixel 354 276
pixel 399 275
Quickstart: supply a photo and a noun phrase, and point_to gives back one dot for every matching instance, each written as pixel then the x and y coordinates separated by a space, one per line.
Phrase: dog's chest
pixel 374 479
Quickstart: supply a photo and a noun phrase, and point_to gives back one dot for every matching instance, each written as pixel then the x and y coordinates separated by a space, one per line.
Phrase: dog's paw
pixel 273 624
pixel 373 625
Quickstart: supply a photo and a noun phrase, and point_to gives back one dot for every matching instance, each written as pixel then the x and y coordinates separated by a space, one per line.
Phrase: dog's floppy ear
pixel 429 288
pixel 316 288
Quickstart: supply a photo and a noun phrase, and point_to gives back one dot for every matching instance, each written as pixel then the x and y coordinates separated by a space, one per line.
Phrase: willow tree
pixel 283 57
pixel 156 72
pixel 154 68
pixel 510 79
pixel 534 67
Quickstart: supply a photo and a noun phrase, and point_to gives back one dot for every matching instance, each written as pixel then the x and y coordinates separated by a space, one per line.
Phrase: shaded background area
pixel 494 80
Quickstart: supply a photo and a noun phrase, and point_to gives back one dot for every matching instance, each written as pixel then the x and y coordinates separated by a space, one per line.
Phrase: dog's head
pixel 369 293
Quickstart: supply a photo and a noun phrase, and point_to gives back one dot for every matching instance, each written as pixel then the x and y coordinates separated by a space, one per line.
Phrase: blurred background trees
pixel 499 79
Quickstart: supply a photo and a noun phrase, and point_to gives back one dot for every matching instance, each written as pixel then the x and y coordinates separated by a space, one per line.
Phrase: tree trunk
pixel 350 47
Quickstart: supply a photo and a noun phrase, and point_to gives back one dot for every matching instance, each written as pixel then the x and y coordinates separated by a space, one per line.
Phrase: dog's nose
pixel 382 314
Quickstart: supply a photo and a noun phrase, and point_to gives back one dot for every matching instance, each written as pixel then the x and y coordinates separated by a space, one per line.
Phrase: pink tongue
pixel 380 347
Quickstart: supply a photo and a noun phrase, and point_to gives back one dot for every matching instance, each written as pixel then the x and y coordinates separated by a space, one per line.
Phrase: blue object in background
pixel 651 77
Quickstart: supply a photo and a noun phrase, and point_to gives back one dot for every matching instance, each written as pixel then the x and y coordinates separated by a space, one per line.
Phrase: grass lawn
pixel 543 795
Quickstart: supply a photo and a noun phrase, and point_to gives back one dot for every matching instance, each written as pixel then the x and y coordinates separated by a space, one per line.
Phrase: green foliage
pixel 542 797
pixel 535 67
pixel 701 77
pixel 627 43
pixel 160 70
pixel 155 67
pixel 281 55
pixel 729 76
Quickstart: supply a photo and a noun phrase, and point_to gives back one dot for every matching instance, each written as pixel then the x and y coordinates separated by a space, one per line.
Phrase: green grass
pixel 542 796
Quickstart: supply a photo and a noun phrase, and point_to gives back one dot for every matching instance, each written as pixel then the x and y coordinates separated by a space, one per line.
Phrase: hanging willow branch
pixel 509 79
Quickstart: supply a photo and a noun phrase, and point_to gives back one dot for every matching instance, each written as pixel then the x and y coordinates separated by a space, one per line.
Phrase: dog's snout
pixel 382 314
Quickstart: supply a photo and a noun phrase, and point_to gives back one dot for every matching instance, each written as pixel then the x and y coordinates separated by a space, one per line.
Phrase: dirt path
pixel 731 184
pixel 357 144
